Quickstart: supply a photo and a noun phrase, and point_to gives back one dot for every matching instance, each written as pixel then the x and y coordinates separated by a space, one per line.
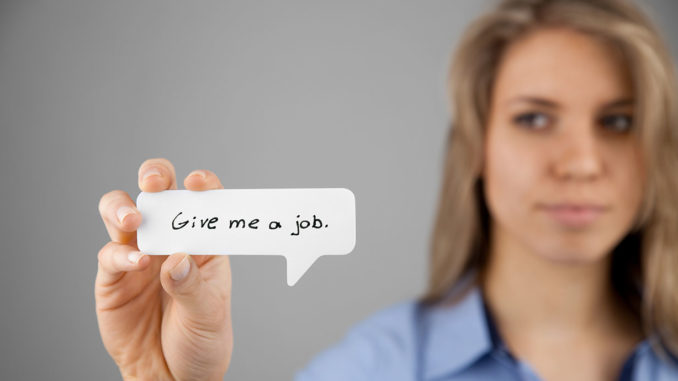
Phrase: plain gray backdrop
pixel 268 94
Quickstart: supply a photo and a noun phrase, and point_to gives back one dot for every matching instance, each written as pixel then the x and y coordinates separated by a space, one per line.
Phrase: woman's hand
pixel 161 317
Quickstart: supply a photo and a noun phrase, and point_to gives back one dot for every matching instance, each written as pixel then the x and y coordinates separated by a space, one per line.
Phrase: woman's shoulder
pixel 398 319
pixel 410 340
pixel 385 340
pixel 391 343
pixel 653 363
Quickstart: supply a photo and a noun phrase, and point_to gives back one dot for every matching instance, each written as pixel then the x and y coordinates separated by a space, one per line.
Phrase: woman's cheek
pixel 511 181
pixel 630 190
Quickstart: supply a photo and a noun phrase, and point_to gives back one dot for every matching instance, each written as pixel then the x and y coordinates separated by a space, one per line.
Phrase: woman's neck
pixel 539 304
pixel 530 292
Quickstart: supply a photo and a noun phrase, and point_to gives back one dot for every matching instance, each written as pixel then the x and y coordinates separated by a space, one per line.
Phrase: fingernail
pixel 149 173
pixel 180 271
pixel 199 173
pixel 134 257
pixel 123 212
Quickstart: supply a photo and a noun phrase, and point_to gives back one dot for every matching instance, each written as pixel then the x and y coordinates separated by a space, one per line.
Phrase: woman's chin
pixel 573 255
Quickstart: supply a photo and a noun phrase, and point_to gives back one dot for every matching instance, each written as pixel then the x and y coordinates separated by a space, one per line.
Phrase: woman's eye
pixel 533 120
pixel 617 123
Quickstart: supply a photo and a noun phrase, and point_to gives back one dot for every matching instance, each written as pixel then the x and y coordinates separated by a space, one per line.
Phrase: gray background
pixel 267 94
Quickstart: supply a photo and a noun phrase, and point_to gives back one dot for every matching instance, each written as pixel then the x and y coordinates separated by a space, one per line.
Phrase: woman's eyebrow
pixel 552 104
pixel 619 103
pixel 534 100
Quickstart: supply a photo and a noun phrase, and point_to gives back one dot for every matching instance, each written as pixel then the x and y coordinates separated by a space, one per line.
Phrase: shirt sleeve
pixel 377 348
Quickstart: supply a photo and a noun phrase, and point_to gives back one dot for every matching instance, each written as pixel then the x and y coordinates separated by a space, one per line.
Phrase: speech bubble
pixel 299 224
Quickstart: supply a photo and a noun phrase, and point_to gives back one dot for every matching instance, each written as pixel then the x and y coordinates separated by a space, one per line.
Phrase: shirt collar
pixel 456 335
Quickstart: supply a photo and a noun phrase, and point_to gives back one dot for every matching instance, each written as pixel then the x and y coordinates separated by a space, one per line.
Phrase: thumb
pixel 181 279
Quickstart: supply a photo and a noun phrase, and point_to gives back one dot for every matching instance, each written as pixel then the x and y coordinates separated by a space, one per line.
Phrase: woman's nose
pixel 578 156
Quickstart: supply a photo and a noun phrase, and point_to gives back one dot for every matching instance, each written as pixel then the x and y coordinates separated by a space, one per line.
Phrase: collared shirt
pixel 460 342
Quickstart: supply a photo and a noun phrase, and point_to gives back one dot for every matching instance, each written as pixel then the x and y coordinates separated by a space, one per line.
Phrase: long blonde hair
pixel 645 262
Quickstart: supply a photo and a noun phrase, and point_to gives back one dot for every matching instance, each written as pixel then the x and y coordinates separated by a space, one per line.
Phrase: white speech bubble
pixel 311 223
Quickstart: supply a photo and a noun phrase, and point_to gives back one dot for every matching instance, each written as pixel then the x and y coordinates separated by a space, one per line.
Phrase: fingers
pixel 182 280
pixel 202 179
pixel 156 175
pixel 115 259
pixel 120 216
pixel 117 209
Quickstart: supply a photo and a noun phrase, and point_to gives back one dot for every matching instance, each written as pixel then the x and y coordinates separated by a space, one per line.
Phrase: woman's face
pixel 563 171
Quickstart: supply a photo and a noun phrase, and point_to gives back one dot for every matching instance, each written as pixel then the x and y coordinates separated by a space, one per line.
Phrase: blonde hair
pixel 645 262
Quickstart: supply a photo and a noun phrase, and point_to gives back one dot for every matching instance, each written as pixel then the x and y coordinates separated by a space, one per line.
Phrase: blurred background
pixel 267 94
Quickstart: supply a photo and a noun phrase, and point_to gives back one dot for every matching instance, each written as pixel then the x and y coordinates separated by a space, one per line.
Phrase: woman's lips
pixel 574 215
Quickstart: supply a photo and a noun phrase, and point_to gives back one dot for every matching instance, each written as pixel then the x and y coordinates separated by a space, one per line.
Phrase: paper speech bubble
pixel 300 224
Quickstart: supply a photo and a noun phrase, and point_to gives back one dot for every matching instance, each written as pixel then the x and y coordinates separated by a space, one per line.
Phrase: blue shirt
pixel 458 342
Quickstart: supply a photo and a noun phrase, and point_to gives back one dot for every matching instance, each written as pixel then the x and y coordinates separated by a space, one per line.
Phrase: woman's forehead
pixel 561 62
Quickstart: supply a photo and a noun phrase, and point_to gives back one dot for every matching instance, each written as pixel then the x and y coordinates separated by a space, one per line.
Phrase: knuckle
pixel 221 313
pixel 104 251
pixel 217 313
pixel 107 199
pixel 157 161
pixel 197 174
pixel 212 177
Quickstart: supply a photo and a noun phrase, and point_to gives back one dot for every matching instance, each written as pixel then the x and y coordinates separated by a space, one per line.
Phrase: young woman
pixel 555 253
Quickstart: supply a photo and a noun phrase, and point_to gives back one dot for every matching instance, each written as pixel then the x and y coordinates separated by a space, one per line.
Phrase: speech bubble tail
pixel 297 267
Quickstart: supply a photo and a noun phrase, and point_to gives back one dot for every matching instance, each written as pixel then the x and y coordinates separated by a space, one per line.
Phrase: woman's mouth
pixel 574 215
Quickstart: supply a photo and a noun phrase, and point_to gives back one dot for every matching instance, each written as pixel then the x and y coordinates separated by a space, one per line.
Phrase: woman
pixel 554 253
